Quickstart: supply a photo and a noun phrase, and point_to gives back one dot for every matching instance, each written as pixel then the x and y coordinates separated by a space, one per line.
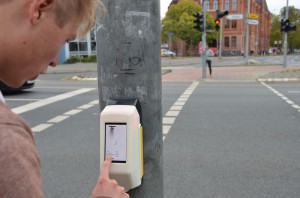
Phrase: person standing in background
pixel 209 53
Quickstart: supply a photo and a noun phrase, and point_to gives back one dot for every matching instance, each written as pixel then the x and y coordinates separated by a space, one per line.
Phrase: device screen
pixel 116 141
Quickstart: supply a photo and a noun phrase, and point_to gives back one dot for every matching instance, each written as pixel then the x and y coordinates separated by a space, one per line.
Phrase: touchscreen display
pixel 116 141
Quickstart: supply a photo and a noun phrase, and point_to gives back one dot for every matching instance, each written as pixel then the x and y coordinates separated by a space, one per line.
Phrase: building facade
pixel 234 31
pixel 78 48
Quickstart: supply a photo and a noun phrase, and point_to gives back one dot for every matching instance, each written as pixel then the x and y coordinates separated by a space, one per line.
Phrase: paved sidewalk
pixel 228 74
pixel 236 74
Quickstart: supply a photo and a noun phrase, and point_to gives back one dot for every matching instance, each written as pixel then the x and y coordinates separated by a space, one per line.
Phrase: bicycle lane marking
pixel 174 111
pixel 47 101
pixel 283 97
pixel 64 116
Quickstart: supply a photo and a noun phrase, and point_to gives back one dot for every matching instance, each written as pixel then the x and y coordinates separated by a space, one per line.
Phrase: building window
pixel 233 41
pixel 93 46
pixel 215 4
pixel 207 5
pixel 227 5
pixel 234 6
pixel 74 46
pixel 233 24
pixel 226 41
pixel 226 24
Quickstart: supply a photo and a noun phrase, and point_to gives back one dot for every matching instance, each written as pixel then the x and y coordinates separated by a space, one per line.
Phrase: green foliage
pixel 71 60
pixel 83 59
pixel 180 21
pixel 293 36
pixel 89 59
pixel 275 34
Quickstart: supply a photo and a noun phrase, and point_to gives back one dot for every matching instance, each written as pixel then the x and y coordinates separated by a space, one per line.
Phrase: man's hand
pixel 106 187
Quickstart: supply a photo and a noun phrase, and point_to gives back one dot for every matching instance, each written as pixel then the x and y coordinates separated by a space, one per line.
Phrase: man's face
pixel 37 45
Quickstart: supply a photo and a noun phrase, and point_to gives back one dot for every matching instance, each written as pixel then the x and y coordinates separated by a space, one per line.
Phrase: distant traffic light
pixel 217 22
pixel 287 26
pixel 221 13
pixel 292 27
pixel 199 21
pixel 284 24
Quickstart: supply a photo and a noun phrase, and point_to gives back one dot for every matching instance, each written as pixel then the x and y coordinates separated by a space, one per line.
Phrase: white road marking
pixel 45 88
pixel 179 103
pixel 86 106
pixel 289 102
pixel 58 119
pixel 15 99
pixel 174 111
pixel 94 102
pixel 168 120
pixel 283 97
pixel 47 101
pixel 183 99
pixel 41 127
pixel 73 112
pixel 185 96
pixel 176 108
pixel 166 129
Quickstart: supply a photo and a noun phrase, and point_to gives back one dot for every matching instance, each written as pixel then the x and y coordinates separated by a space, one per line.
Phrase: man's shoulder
pixel 19 161
pixel 9 117
pixel 11 121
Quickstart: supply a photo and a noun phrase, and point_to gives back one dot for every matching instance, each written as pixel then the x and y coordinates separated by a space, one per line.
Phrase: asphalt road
pixel 229 140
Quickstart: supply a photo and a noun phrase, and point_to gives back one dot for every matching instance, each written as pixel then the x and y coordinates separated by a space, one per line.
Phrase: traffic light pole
pixel 247 34
pixel 286 35
pixel 220 39
pixel 204 42
pixel 129 65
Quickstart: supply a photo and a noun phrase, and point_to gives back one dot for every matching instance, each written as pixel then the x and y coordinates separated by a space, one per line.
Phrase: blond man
pixel 32 33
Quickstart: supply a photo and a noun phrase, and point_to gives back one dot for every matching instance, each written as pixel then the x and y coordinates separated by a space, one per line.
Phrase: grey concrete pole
pixel 204 41
pixel 247 34
pixel 286 36
pixel 220 39
pixel 129 65
pixel 220 33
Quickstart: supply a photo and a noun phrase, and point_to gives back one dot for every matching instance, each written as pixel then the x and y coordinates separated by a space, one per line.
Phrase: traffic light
pixel 199 21
pixel 217 22
pixel 287 26
pixel 284 25
pixel 221 13
pixel 291 27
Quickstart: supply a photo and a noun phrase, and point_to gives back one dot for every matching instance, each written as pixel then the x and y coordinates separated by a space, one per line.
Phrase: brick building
pixel 233 41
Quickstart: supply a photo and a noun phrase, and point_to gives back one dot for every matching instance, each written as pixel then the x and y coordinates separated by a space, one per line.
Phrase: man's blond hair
pixel 83 10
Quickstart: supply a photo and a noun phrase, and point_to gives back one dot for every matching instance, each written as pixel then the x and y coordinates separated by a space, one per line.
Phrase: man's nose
pixel 54 62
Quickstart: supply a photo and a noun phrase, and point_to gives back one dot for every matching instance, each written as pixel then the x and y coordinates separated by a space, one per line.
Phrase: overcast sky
pixel 273 5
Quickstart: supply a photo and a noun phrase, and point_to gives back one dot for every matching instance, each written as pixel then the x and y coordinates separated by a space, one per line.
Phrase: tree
pixel 275 34
pixel 180 21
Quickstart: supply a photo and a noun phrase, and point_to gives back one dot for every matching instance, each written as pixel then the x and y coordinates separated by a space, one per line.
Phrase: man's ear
pixel 38 8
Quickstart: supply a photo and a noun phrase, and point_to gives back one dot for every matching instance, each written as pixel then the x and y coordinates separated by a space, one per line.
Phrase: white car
pixel 165 52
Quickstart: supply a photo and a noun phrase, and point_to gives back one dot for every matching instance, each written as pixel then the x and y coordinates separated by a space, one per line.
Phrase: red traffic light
pixel 217 21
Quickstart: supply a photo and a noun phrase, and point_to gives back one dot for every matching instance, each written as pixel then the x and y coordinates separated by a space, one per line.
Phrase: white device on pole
pixel 121 138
